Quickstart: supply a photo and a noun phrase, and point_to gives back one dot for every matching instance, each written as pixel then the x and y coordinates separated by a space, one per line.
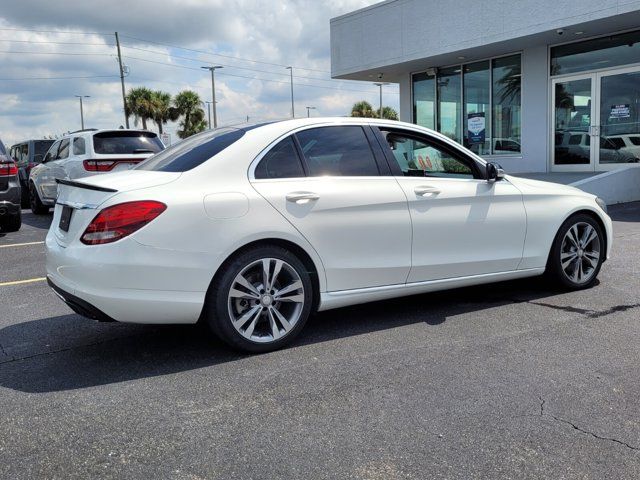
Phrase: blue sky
pixel 51 51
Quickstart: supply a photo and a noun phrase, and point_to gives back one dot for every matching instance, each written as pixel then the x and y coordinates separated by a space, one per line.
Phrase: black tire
pixel 561 276
pixel 219 306
pixel 12 223
pixel 37 207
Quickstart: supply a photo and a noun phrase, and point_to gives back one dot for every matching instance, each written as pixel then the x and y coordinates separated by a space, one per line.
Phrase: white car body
pixel 66 160
pixel 368 238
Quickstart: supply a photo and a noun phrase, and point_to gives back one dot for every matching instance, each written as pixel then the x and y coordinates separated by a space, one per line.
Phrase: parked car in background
pixel 84 153
pixel 28 154
pixel 10 214
pixel 251 229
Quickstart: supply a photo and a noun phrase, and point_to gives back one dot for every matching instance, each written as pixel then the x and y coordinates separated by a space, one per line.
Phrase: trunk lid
pixel 82 198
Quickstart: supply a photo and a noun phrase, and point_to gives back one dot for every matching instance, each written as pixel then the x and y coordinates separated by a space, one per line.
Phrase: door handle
pixel 302 197
pixel 424 190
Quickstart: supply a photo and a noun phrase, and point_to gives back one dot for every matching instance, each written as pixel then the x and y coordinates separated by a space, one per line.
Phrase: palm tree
pixel 188 106
pixel 139 104
pixel 162 111
pixel 363 109
pixel 389 113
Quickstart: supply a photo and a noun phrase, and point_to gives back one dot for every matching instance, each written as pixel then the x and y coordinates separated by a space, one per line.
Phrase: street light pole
pixel 209 112
pixel 212 69
pixel 293 112
pixel 81 109
pixel 310 108
pixel 380 84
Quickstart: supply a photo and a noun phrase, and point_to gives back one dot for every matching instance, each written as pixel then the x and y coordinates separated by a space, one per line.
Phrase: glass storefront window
pixel 506 105
pixel 449 102
pixel 477 110
pixel 424 100
pixel 604 52
pixel 459 101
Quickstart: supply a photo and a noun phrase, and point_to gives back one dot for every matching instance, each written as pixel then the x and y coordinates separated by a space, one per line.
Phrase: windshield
pixel 193 151
pixel 123 142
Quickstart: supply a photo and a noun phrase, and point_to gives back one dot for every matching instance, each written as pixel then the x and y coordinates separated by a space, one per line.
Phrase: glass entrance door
pixel 573 111
pixel 619 119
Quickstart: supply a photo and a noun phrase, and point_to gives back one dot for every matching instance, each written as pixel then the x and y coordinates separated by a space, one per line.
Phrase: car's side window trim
pixel 300 154
pixel 427 139
pixel 378 152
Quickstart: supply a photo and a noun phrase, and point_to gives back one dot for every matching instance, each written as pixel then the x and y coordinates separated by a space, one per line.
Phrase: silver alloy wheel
pixel 580 252
pixel 265 300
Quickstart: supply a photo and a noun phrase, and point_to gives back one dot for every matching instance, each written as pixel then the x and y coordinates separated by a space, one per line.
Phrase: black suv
pixel 10 215
pixel 27 155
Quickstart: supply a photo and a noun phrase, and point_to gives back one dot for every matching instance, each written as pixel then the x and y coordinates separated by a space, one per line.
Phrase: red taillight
pixel 8 169
pixel 118 221
pixel 107 165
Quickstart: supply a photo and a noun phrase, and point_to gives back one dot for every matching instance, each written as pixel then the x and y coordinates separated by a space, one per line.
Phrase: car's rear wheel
pixel 37 207
pixel 12 223
pixel 261 299
pixel 577 253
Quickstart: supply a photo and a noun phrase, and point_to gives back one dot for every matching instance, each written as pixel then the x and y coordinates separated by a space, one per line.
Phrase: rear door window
pixel 79 146
pixel 123 142
pixel 337 151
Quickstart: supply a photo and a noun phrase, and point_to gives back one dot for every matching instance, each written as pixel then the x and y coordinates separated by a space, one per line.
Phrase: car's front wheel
pixel 577 253
pixel 261 299
pixel 37 207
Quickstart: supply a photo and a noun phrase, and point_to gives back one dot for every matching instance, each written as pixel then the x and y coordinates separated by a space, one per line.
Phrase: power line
pixel 59 53
pixel 222 55
pixel 49 42
pixel 53 31
pixel 58 78
pixel 191 59
pixel 247 77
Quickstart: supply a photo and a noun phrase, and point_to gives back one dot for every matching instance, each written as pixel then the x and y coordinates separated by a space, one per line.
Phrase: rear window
pixel 125 142
pixel 193 151
pixel 40 147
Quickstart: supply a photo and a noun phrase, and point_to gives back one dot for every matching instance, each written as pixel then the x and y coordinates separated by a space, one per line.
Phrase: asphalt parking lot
pixel 512 380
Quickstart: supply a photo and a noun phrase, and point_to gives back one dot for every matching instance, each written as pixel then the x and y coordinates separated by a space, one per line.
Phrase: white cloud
pixel 288 32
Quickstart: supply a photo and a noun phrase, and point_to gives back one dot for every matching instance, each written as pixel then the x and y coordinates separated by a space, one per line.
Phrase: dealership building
pixel 538 86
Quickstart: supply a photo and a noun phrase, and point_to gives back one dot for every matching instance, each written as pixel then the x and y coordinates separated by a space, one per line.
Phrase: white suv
pixel 84 153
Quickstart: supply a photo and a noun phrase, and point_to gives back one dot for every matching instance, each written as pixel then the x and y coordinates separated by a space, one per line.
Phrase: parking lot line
pixel 21 244
pixel 18 282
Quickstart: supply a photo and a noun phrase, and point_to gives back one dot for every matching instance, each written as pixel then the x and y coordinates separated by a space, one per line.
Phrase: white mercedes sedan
pixel 250 230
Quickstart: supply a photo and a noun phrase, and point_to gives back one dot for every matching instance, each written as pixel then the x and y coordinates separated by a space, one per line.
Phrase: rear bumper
pixel 10 200
pixel 126 282
pixel 80 306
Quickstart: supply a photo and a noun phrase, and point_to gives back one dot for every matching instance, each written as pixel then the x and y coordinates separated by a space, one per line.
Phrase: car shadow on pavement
pixel 69 352
pixel 37 221
pixel 625 212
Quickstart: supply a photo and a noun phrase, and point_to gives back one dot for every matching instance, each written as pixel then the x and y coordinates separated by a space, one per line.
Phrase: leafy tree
pixel 162 110
pixel 188 106
pixel 389 113
pixel 363 109
pixel 139 103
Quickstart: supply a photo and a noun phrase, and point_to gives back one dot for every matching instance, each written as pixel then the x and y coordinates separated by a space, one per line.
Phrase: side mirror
pixel 494 172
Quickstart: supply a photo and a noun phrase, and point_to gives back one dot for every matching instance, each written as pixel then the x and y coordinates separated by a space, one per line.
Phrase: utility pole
pixel 213 92
pixel 293 112
pixel 310 108
pixel 124 96
pixel 81 110
pixel 380 84
pixel 209 112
